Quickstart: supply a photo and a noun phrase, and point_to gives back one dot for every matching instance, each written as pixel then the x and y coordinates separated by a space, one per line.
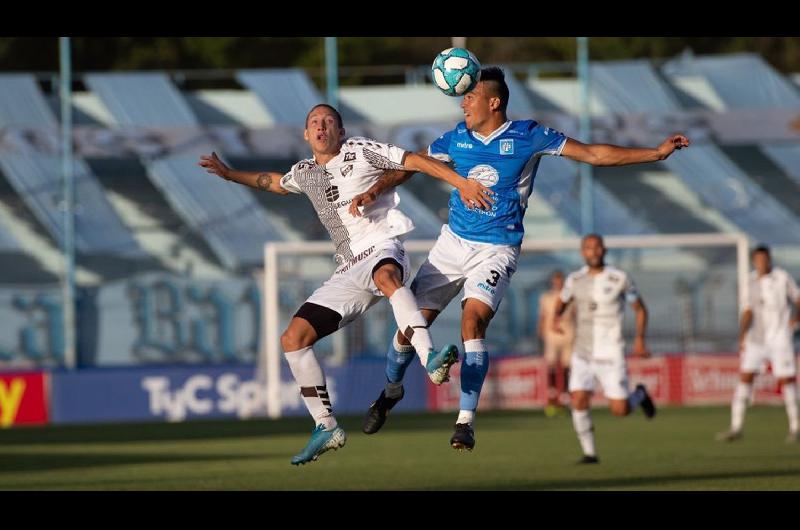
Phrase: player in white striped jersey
pixel 765 334
pixel 371 261
pixel 599 293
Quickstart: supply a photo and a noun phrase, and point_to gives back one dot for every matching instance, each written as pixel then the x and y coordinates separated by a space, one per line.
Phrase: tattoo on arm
pixel 264 181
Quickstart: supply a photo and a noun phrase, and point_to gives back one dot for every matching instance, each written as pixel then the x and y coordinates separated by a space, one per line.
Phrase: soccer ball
pixel 456 71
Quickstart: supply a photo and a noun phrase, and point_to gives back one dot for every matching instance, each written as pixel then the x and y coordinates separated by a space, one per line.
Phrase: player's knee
pixel 473 327
pixel 580 400
pixel 293 339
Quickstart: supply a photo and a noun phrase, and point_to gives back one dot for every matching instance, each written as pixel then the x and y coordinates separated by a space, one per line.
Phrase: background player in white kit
pixel 599 293
pixel 557 346
pixel 371 261
pixel 765 334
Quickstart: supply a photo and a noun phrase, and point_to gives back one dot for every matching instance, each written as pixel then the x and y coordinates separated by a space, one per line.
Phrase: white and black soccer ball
pixel 456 71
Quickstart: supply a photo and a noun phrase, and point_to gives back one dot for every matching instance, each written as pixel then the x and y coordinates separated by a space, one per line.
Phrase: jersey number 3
pixel 493 280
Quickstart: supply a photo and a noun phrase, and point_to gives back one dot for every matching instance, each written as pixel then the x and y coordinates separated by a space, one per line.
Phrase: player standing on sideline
pixel 765 334
pixel 371 261
pixel 557 346
pixel 478 249
pixel 600 292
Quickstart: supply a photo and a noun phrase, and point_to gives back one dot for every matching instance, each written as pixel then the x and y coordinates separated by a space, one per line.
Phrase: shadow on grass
pixel 642 482
pixel 52 461
pixel 219 429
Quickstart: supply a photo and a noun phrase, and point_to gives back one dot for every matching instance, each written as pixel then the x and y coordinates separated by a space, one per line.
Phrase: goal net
pixel 691 284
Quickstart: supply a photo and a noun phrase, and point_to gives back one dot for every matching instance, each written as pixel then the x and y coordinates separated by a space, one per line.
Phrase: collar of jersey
pixel 494 134
pixel 339 154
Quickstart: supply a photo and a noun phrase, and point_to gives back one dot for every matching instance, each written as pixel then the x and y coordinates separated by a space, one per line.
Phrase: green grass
pixel 515 450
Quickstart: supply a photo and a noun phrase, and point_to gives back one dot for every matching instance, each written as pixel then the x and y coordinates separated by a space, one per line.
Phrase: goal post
pixel 669 247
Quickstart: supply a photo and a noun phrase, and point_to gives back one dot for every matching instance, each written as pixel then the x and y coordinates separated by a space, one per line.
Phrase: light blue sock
pixel 398 358
pixel 473 372
pixel 635 399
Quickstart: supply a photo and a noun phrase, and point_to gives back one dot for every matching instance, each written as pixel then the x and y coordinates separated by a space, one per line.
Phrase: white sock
pixel 308 374
pixel 582 422
pixel 466 416
pixel 739 405
pixel 411 322
pixel 790 398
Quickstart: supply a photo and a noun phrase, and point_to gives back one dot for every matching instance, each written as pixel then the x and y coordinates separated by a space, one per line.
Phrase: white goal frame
pixel 270 345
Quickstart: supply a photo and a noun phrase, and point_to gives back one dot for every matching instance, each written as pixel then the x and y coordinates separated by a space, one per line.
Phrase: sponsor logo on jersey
pixel 485 174
pixel 463 145
pixel 332 193
pixel 485 287
pixel 507 147
pixel 355 260
pixel 612 278
pixel 349 157
pixel 346 170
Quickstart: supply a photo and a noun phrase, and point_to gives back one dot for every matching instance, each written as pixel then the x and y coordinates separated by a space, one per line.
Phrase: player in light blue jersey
pixel 478 247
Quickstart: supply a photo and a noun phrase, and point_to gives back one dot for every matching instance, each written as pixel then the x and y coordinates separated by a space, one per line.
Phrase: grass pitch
pixel 514 451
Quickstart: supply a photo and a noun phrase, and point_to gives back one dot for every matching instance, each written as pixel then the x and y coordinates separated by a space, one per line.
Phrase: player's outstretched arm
pixel 614 155
pixel 472 192
pixel 260 180
pixel 639 347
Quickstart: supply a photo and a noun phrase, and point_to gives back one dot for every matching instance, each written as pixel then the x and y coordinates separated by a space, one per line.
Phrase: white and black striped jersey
pixel 771 298
pixel 599 308
pixel 332 186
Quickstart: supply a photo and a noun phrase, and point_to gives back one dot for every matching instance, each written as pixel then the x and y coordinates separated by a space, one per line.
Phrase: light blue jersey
pixel 505 162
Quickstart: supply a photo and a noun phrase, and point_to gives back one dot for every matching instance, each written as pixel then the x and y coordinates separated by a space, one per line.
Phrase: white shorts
pixel 351 290
pixel 484 271
pixel 781 358
pixel 612 374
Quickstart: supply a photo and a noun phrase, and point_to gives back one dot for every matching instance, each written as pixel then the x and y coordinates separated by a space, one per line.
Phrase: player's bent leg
pixel 639 397
pixel 399 357
pixel 741 395
pixel 387 276
pixel 474 321
pixel 310 323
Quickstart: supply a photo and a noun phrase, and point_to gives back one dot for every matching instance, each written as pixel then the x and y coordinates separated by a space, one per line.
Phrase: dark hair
pixel 336 112
pixel 760 248
pixel 497 80
pixel 593 235
pixel 555 273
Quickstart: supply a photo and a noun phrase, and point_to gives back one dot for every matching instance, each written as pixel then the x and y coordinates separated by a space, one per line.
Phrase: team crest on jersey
pixel 346 170
pixel 349 157
pixel 507 147
pixel 485 174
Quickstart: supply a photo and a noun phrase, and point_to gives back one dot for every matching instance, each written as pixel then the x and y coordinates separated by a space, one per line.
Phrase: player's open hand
pixel 361 200
pixel 672 144
pixel 639 348
pixel 473 194
pixel 214 165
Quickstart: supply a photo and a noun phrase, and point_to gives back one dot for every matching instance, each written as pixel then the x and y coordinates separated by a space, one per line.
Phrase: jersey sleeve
pixel 630 292
pixel 384 156
pixel 547 141
pixel 289 184
pixel 440 148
